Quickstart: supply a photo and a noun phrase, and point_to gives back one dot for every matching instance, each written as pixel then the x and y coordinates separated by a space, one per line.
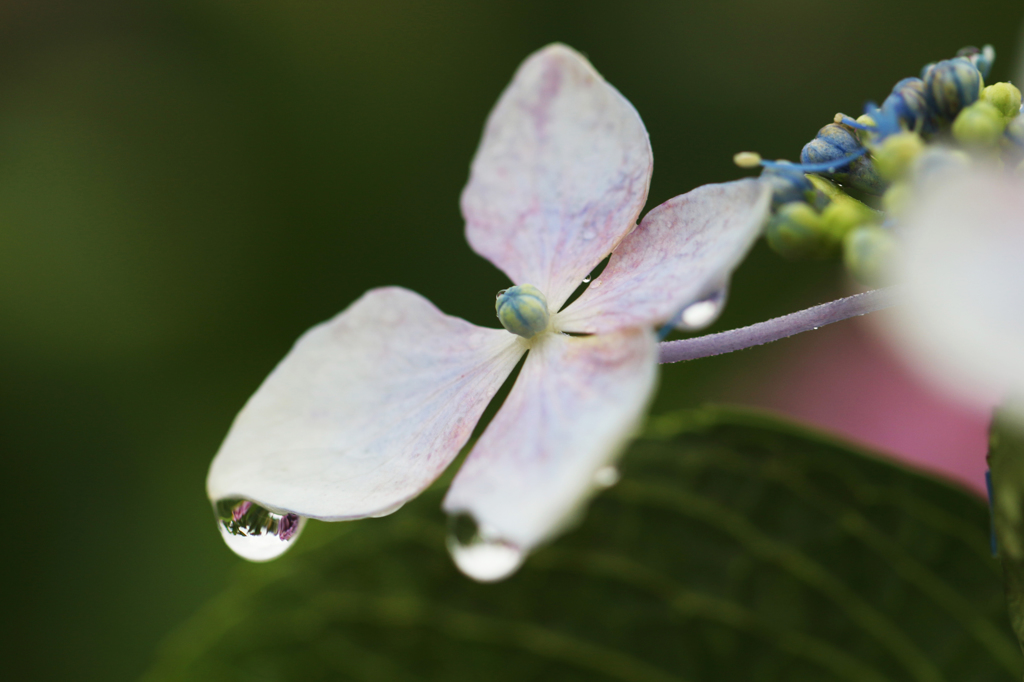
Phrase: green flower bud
pixel 523 310
pixel 979 125
pixel 1003 96
pixel 845 214
pixel 868 252
pixel 894 157
pixel 797 232
pixel 896 197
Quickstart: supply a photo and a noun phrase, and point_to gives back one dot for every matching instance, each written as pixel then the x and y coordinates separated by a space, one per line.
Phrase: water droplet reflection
pixel 479 552
pixel 703 312
pixel 254 532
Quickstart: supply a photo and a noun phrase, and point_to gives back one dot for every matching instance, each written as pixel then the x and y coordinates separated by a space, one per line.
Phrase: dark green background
pixel 186 186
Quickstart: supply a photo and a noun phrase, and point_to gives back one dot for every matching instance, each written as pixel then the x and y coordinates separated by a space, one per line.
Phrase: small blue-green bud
pixel 835 142
pixel 868 252
pixel 523 310
pixel 982 59
pixel 979 125
pixel 951 85
pixel 1003 96
pixel 788 184
pixel 910 104
pixel 797 232
pixel 832 142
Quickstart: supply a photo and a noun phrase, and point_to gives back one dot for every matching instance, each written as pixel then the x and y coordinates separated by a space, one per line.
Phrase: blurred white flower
pixel 962 264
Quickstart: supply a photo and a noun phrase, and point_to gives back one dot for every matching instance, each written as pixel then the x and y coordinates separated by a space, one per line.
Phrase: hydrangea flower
pixel 370 407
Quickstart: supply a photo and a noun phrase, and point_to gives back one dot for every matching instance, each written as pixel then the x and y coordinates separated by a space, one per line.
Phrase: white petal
pixel 365 411
pixel 963 324
pixel 683 251
pixel 560 176
pixel 571 411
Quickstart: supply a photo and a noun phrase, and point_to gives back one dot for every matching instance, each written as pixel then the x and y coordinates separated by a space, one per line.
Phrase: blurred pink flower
pixel 846 380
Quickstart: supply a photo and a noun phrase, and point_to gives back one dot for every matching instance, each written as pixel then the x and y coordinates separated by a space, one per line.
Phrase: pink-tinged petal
pixel 963 321
pixel 682 252
pixel 365 411
pixel 560 176
pixel 572 409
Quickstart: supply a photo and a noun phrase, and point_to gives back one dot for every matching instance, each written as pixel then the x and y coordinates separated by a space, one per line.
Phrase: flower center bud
pixel 523 310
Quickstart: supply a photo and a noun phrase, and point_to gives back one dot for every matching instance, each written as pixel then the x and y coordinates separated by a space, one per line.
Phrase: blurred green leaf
pixel 734 548
pixel 1006 462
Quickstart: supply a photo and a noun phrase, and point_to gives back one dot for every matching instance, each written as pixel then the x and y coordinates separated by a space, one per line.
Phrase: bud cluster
pixel 854 178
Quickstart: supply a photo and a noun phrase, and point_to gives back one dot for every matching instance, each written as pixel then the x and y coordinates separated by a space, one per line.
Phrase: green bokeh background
pixel 187 186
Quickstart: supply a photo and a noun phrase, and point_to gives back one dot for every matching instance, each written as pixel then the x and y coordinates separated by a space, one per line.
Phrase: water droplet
pixel 815 327
pixel 254 532
pixel 588 234
pixel 703 312
pixel 479 552
pixel 586 280
pixel 606 477
pixel 387 512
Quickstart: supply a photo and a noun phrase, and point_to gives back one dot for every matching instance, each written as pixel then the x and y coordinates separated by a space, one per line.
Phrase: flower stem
pixel 779 327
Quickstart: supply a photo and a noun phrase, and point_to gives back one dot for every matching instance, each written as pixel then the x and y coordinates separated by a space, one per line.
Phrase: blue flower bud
pixel 788 184
pixel 982 59
pixel 832 142
pixel 951 85
pixel 523 310
pixel 910 105
pixel 836 143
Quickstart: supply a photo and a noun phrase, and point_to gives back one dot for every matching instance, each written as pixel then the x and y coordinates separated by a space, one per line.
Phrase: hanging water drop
pixel 254 532
pixel 701 313
pixel 586 280
pixel 479 553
